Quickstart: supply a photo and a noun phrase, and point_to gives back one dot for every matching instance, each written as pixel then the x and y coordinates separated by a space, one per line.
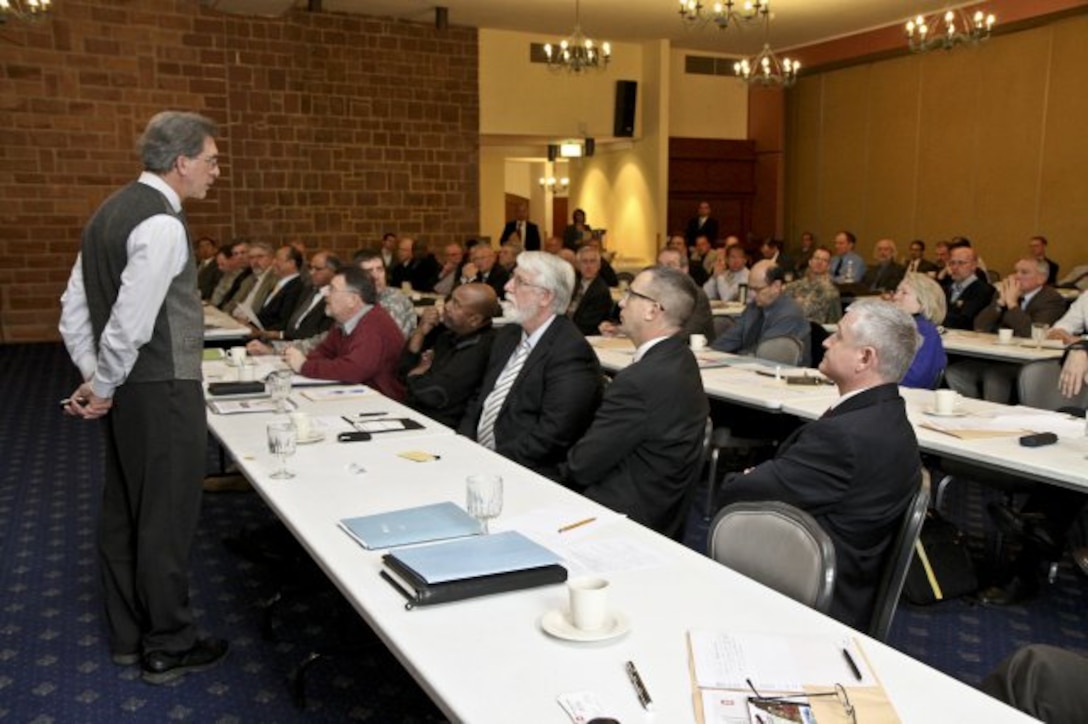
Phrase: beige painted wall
pixel 522 98
pixel 706 106
pixel 984 142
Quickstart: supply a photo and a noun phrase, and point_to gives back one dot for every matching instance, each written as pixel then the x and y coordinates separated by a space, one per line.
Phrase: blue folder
pixel 440 521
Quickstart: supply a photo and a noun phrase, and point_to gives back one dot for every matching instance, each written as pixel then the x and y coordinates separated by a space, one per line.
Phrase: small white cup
pixel 1004 335
pixel 698 342
pixel 588 603
pixel 246 373
pixel 945 401
pixel 238 355
pixel 303 424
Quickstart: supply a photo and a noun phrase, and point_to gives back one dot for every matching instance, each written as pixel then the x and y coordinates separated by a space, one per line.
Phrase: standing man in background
pixel 527 230
pixel 132 323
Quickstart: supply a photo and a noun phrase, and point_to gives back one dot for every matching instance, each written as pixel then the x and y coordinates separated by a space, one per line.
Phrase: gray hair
pixel 891 331
pixel 552 273
pixel 170 135
pixel 675 292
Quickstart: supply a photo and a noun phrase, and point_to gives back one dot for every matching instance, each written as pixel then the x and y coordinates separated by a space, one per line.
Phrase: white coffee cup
pixel 238 355
pixel 303 425
pixel 588 603
pixel 945 401
pixel 698 342
pixel 246 373
pixel 1004 335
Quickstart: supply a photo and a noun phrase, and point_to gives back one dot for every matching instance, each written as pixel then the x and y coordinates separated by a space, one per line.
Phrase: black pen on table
pixel 640 688
pixel 851 663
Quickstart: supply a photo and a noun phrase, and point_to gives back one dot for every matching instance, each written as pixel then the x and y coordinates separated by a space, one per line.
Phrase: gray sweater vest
pixel 174 350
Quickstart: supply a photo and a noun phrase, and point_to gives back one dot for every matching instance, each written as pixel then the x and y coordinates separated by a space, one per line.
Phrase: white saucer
pixel 954 413
pixel 557 623
pixel 316 436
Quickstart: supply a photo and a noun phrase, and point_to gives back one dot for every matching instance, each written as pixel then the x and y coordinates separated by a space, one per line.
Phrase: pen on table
pixel 852 664
pixel 371 414
pixel 577 524
pixel 640 688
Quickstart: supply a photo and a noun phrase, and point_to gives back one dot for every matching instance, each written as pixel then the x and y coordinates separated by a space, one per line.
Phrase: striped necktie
pixel 485 431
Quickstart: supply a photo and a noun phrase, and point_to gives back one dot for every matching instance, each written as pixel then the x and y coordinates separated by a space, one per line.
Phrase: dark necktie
pixel 838 267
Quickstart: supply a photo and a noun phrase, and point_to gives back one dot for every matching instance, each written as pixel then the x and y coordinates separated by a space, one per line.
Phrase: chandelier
pixel 766 68
pixel 959 28
pixel 578 53
pixel 553 184
pixel 722 14
pixel 27 10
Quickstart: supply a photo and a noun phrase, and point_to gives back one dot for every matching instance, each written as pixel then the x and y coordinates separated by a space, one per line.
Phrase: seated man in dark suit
pixel 484 268
pixel 363 347
pixel 769 314
pixel 308 322
pixel 416 266
pixel 857 467
pixel 967 294
pixel 1020 300
pixel 917 261
pixel 543 380
pixel 281 301
pixel 640 455
pixel 887 272
pixel 592 300
pixel 445 359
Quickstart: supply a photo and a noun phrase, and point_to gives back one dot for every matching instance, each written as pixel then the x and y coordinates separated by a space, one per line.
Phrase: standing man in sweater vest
pixel 133 325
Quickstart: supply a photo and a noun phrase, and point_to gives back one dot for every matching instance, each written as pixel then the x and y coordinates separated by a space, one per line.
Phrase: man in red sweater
pixel 363 346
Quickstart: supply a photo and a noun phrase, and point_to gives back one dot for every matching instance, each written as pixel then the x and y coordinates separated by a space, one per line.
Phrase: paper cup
pixel 246 373
pixel 238 355
pixel 945 401
pixel 698 342
pixel 303 424
pixel 1004 335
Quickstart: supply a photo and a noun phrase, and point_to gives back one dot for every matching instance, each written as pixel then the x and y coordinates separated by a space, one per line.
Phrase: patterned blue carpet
pixel 54 662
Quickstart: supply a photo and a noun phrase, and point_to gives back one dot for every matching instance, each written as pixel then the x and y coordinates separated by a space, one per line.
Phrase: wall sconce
pixel 553 184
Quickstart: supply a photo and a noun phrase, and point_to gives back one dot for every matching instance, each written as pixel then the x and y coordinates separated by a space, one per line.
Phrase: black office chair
pixel 780 546
pixel 895 570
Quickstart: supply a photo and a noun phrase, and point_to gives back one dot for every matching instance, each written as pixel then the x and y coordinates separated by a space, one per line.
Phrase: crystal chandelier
pixel 27 10
pixel 766 68
pixel 578 53
pixel 722 14
pixel 958 28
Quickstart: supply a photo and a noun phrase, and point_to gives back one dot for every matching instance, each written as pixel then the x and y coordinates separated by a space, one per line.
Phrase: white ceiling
pixel 794 22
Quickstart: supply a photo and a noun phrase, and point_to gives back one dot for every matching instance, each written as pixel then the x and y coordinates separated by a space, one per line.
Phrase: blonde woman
pixel 923 299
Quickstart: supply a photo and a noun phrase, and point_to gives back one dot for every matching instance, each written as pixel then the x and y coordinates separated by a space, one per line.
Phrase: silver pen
pixel 640 688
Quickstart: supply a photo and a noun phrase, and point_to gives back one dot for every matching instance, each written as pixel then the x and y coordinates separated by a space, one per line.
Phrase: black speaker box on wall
pixel 624 119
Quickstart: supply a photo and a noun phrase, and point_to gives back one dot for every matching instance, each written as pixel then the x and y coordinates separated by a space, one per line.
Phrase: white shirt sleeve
pixel 1075 320
pixel 75 322
pixel 157 252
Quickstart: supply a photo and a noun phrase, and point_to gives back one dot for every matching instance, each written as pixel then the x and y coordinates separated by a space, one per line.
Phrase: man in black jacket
pixel 640 456
pixel 445 359
pixel 856 468
pixel 592 300
pixel 967 294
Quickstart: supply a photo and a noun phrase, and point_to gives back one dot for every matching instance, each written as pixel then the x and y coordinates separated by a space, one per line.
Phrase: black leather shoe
pixel 160 667
pixel 1015 591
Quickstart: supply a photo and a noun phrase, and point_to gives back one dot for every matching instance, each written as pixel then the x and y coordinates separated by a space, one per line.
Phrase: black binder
pixel 420 593
pixel 235 388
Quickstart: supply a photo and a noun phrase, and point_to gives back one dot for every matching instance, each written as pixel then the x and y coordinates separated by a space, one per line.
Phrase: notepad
pixel 423 524
pixel 474 557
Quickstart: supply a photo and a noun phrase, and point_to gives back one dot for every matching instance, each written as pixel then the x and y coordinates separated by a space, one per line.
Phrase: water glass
pixel 279 387
pixel 1038 333
pixel 282 438
pixel 484 497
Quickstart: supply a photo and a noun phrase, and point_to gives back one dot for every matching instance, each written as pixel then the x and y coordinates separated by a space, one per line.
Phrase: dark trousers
pixel 156 439
pixel 1048 683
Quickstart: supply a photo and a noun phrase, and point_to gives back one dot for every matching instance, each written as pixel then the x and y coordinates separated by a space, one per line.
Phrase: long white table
pixel 1063 463
pixel 220 326
pixel 487 659
pixel 987 346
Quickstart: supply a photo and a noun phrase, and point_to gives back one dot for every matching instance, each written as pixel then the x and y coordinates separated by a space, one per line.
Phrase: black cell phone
pixel 1039 439
pixel 353 436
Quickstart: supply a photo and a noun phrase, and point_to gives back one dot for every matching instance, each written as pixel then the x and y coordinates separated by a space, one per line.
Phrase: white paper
pixel 610 555
pixel 725 707
pixel 774 663
pixel 544 524
pixel 581 706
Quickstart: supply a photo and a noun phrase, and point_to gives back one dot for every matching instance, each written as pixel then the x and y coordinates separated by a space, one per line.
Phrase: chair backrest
pixel 778 545
pixel 784 350
pixel 895 570
pixel 1038 386
pixel 680 523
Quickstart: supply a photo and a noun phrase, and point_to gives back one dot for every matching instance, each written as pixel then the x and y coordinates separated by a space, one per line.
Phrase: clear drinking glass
pixel 484 497
pixel 1038 334
pixel 279 386
pixel 282 438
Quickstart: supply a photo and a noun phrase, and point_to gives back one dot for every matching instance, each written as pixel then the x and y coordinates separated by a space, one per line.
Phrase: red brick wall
pixel 333 129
